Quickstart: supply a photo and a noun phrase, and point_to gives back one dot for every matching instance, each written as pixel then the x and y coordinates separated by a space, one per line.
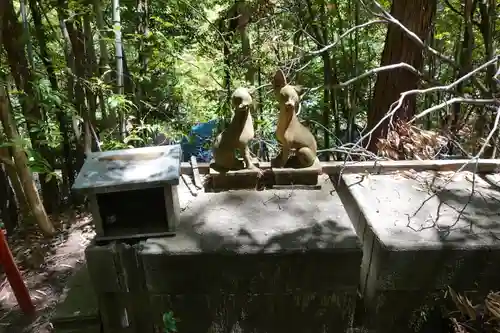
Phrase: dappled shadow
pixel 253 257
pixel 253 222
pixel 476 213
pixel 425 234
pixel 405 213
pixel 63 254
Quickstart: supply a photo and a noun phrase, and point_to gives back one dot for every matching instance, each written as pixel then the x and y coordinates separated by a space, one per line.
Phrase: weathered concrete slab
pixel 416 241
pixel 78 311
pixel 289 249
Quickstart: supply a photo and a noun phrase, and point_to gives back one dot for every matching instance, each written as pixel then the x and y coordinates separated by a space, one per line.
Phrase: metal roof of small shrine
pixel 130 169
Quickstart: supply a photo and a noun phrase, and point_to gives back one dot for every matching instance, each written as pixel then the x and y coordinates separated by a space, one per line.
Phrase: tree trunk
pixel 108 116
pixel 465 60
pixel 75 35
pixel 21 163
pixel 417 16
pixel 29 47
pixel 10 169
pixel 62 118
pixel 8 205
pixel 119 60
pixel 13 42
pixel 75 95
pixel 91 70
pixel 143 58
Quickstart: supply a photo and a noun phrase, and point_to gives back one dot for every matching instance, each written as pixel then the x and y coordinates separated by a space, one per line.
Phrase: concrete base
pixel 235 179
pixel 78 311
pixel 241 261
pixel 292 176
pixel 247 261
pixel 277 313
pixel 415 243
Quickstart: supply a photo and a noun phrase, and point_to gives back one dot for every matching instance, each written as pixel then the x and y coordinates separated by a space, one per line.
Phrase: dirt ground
pixel 45 266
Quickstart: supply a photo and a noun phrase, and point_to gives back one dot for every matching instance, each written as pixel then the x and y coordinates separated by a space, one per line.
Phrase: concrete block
pixel 258 313
pixel 78 312
pixel 303 176
pixel 234 180
pixel 288 249
pixel 418 242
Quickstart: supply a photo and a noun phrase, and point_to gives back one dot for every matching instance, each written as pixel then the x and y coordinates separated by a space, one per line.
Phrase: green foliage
pixel 175 69
pixel 169 322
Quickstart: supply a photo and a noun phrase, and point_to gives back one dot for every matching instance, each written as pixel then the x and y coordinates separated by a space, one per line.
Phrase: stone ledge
pixel 78 312
pixel 407 249
pixel 263 240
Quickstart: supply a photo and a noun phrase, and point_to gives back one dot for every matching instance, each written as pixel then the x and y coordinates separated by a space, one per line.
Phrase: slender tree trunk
pixel 108 116
pixel 119 61
pixel 91 70
pixel 62 118
pixel 75 95
pixel 142 31
pixel 21 163
pixel 8 205
pixel 464 56
pixel 76 38
pixel 14 45
pixel 10 169
pixel 29 47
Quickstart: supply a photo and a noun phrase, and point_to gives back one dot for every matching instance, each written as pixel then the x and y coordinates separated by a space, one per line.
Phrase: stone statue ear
pixel 299 89
pixel 279 80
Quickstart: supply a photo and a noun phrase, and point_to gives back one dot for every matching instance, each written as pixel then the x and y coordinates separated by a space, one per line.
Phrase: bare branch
pixel 496 75
pixel 326 48
pixel 378 70
pixel 397 104
pixel 490 135
pixel 387 16
pixel 453 101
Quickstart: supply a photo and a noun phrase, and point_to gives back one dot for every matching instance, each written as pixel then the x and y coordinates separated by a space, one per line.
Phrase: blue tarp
pixel 198 142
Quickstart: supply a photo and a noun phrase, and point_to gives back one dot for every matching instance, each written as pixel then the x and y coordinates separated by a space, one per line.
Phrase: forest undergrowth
pixel 46 266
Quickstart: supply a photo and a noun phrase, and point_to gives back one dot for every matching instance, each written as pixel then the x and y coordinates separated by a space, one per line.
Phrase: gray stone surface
pixel 249 261
pixel 417 241
pixel 100 176
pixel 405 216
pixel 77 311
pixel 260 221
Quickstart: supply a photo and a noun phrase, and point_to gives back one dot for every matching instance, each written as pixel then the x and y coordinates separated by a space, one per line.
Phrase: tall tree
pixel 21 163
pixel 119 60
pixel 417 16
pixel 14 44
pixel 61 116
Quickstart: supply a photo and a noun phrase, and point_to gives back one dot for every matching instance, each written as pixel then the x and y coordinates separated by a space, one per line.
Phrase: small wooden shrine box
pixel 132 192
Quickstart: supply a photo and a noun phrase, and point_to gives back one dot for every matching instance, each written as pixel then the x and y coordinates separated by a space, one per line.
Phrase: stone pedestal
pixel 241 261
pixel 292 176
pixel 416 243
pixel 234 180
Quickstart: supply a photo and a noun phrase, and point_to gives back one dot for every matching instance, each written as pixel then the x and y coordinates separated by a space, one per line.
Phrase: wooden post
pixel 14 276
